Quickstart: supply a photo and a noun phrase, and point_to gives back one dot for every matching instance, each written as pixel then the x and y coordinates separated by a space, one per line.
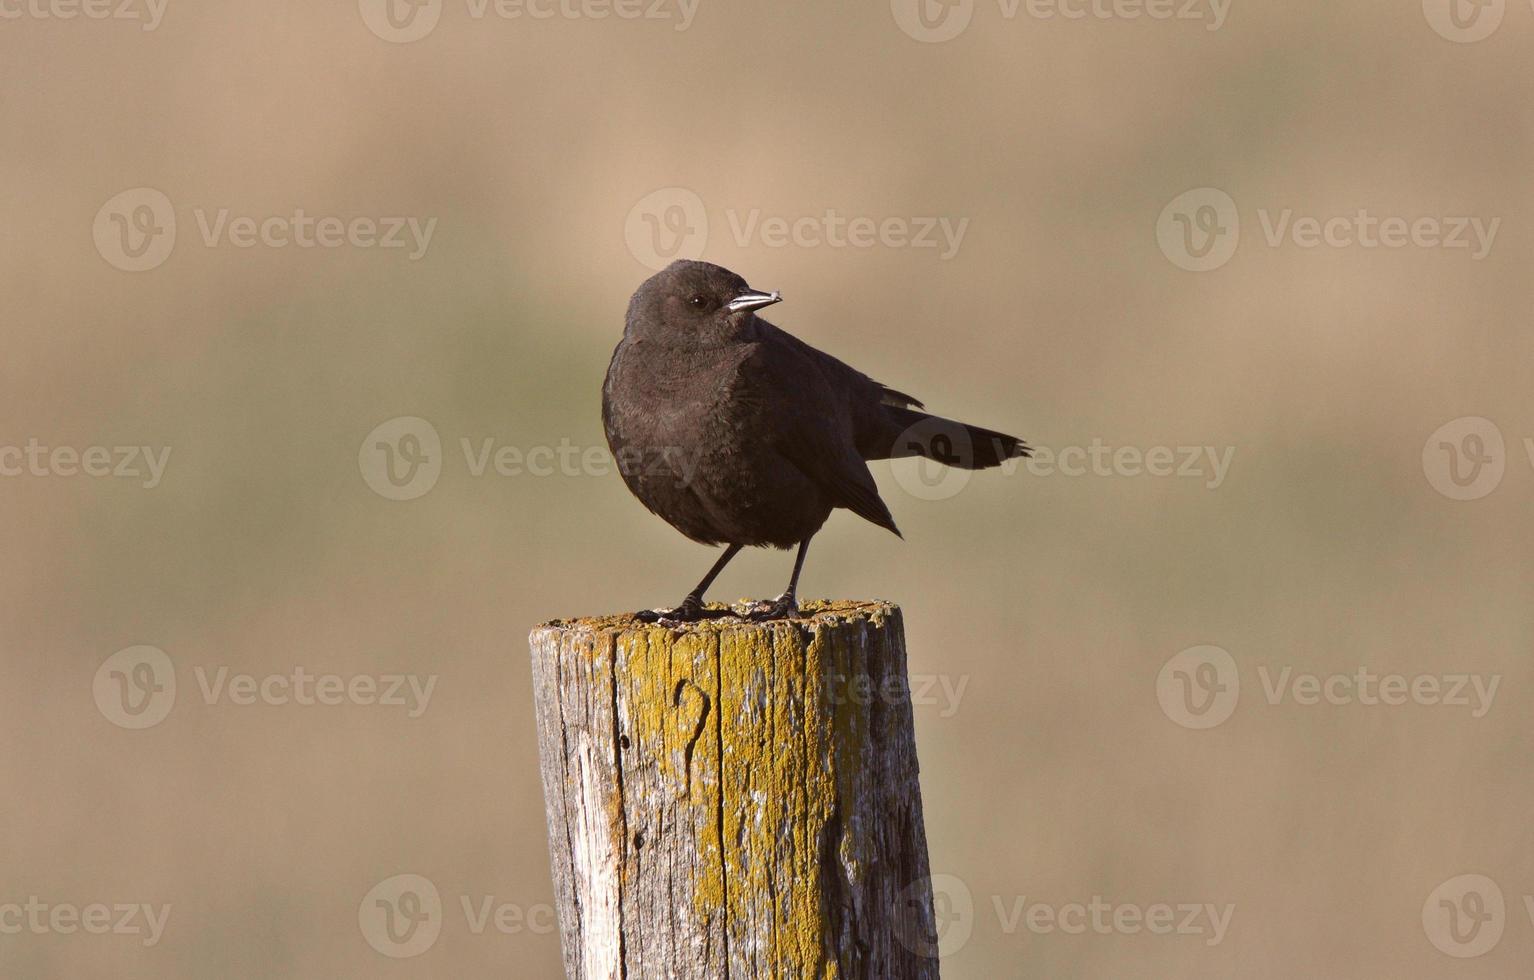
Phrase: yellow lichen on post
pixel 761 809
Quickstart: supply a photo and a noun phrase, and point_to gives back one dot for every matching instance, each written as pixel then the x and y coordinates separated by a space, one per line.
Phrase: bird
pixel 739 434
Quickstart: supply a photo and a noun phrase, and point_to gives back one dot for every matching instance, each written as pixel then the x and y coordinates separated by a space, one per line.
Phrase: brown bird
pixel 737 433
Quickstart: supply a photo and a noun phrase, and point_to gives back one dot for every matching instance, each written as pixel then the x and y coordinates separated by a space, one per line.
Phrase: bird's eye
pixel 699 301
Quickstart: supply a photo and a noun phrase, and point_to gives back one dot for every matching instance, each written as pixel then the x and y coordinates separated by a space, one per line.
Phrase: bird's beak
pixel 753 300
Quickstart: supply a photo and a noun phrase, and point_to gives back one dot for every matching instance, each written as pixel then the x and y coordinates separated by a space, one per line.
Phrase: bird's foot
pixel 690 611
pixel 784 606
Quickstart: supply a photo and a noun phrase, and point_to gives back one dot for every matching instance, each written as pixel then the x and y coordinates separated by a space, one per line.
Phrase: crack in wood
pixel 697 709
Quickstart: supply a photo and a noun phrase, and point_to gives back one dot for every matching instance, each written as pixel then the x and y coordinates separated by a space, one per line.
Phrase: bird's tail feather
pixel 969 447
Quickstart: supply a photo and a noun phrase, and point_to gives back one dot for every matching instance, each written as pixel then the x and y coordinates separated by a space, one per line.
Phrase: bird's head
pixel 695 304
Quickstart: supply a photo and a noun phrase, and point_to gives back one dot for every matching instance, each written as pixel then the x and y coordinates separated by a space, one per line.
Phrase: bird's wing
pixel 886 423
pixel 864 390
pixel 810 402
pixel 847 483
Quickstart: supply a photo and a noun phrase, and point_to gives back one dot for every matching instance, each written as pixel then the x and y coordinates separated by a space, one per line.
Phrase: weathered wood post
pixel 734 799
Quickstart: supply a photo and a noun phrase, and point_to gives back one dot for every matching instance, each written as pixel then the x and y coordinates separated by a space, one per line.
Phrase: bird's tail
pixel 911 433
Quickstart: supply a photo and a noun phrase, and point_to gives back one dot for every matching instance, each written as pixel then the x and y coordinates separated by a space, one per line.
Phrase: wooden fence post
pixel 735 799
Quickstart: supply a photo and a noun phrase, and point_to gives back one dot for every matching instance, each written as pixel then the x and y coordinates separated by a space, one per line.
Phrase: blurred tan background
pixel 1063 771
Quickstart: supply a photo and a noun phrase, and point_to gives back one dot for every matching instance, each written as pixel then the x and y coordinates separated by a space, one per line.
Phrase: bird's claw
pixel 783 607
pixel 690 611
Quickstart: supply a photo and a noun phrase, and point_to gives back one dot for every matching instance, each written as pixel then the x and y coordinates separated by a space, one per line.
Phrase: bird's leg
pixel 691 609
pixel 787 604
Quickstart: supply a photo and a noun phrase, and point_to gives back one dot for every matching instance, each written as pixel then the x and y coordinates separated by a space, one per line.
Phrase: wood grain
pixel 735 799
